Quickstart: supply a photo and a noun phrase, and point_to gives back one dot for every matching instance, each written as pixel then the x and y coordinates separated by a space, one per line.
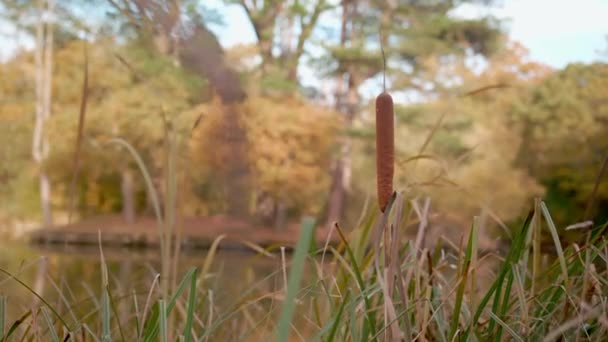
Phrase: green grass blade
pixel 362 239
pixel 336 320
pixel 106 334
pixel 354 329
pixel 144 170
pixel 471 246
pixel 495 289
pixel 151 326
pixel 513 257
pixel 549 300
pixel 49 323
pixel 137 315
pixel 555 236
pixel 505 301
pixel 106 330
pixel 162 308
pixel 2 316
pixel 116 315
pixel 370 319
pixel 59 317
pixel 504 325
pixel 438 313
pixel 151 191
pixel 295 276
pixel 16 325
pixel 90 332
pixel 190 309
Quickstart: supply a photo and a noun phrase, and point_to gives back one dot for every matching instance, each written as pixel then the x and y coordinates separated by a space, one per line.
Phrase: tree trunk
pixel 202 54
pixel 198 51
pixel 236 175
pixel 128 197
pixel 45 198
pixel 265 39
pixel 336 195
pixel 43 77
pixel 125 276
pixel 341 181
pixel 40 281
pixel 281 216
pixel 341 172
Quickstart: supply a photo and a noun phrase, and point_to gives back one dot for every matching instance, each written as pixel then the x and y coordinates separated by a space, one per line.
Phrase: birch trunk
pixel 128 197
pixel 43 88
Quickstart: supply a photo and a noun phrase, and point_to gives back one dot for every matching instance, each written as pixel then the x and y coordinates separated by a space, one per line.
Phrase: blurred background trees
pixel 259 143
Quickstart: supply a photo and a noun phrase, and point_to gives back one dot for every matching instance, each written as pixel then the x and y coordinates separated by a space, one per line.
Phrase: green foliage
pixel 126 100
pixel 563 125
pixel 410 32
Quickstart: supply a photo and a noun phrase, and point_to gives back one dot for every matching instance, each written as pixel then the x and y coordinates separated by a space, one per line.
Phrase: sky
pixel 556 32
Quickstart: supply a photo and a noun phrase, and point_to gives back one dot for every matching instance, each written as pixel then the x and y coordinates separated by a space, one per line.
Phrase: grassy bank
pixel 374 286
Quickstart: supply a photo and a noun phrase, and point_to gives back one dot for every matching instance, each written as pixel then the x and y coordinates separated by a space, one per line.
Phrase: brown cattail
pixel 385 148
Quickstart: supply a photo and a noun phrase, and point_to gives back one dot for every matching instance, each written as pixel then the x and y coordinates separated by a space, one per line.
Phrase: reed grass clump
pixel 398 291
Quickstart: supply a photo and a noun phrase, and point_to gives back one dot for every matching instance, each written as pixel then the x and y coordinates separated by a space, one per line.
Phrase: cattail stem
pixel 385 148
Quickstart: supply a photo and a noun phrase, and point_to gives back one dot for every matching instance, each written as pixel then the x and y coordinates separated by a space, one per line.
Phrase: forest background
pixel 481 127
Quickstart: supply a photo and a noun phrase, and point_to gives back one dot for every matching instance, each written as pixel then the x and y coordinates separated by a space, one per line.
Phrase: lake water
pixel 69 278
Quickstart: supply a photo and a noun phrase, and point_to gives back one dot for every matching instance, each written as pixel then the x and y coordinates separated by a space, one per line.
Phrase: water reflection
pixel 69 277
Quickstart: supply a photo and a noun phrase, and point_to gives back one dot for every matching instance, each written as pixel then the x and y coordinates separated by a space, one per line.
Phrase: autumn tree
pixel 125 103
pixel 38 18
pixel 177 29
pixel 563 125
pixel 460 148
pixel 18 197
pixel 291 143
pixel 121 103
pixel 409 33
pixel 282 28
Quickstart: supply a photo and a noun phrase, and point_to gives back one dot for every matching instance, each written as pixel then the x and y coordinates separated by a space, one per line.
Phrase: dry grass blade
pixel 211 255
pixel 485 88
pixel 44 301
pixel 257 248
pixel 128 65
pixel 595 187
pixel 507 328
pixel 556 241
pixel 434 130
pixel 572 323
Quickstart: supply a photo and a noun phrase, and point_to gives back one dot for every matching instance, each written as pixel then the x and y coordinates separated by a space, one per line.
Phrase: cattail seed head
pixel 385 148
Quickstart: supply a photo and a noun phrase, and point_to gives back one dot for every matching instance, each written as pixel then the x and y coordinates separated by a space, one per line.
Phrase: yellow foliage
pixel 472 169
pixel 289 148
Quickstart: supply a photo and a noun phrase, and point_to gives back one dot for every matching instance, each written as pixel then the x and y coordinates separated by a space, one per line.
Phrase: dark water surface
pixel 71 276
